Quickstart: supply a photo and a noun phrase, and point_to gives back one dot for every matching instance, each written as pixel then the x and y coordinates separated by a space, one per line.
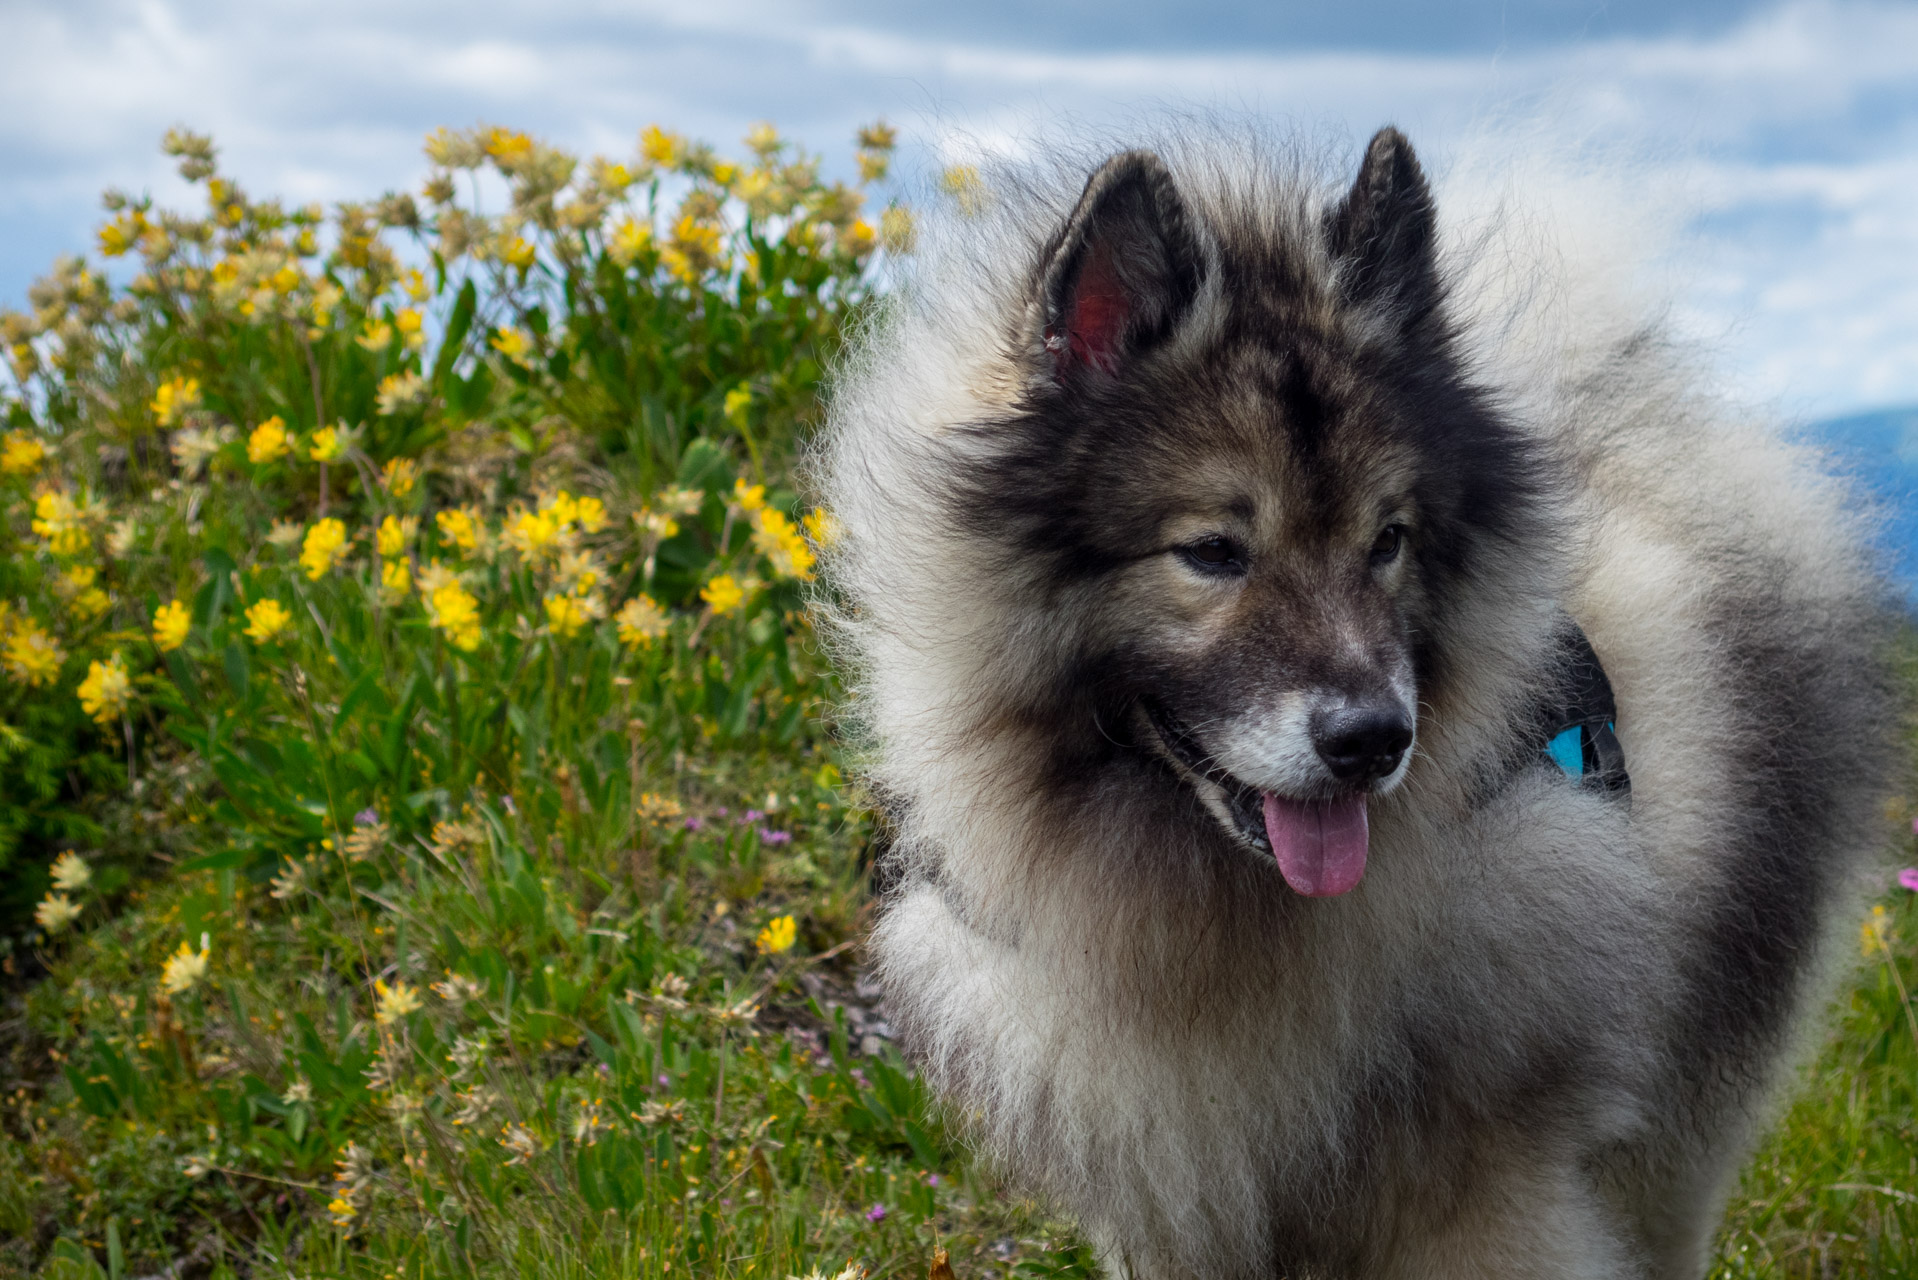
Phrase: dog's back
pixel 1534 1039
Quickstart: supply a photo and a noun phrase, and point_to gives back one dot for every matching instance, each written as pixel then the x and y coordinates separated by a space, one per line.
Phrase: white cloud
pixel 1793 136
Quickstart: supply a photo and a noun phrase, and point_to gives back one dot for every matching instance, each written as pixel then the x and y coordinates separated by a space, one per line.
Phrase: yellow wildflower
pixel 71 872
pixel 590 514
pixel 285 534
pixel 563 507
pixel 395 1002
pixel 858 239
pixel 533 533
pixel 395 532
pixel 629 240
pixel 413 280
pixel 399 391
pixel 1875 934
pixel 326 445
pixel 738 400
pixel 269 441
pixel 104 693
pixel 59 520
pixel 514 344
pixel 777 937
pixel 324 548
pixel 171 622
pixel 749 497
pixel 694 250
pixel 723 594
pixel 656 523
pixel 342 1210
pixel 400 474
pixel 184 968
pixel 657 809
pixel 661 148
pixel 455 611
pixel 962 183
pixel 641 621
pixel 20 454
pixel 396 578
pixel 90 603
pixel 896 231
pixel 506 146
pixel 265 620
pixel 821 527
pixel 175 396
pixel 518 252
pixel 376 336
pixel 412 327
pixel 31 656
pixel 287 278
pixel 55 912
pixel 779 540
pixel 460 526
pixel 564 615
pixel 120 235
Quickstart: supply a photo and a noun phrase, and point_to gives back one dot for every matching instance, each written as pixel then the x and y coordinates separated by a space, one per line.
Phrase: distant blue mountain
pixel 1881 450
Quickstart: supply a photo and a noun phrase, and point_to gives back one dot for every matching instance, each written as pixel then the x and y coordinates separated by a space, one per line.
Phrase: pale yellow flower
pixel 105 691
pixel 400 391
pixel 396 578
pixel 657 809
pixel 400 474
pixel 326 445
pixel 455 611
pixel 779 540
pixel 377 335
pixel 514 344
pixel 395 1002
pixel 269 442
pixel 325 546
pixel 20 454
pixel 564 615
pixel 55 912
pixel 1874 935
pixel 723 594
pixel 59 520
pixel 748 497
pixel 395 532
pixel 641 621
pixel 175 396
pixel 31 656
pixel 821 527
pixel 460 526
pixel 896 231
pixel 171 622
pixel 629 240
pixel 265 620
pixel 533 533
pixel 777 937
pixel 738 401
pixel 285 534
pixel 184 968
pixel 71 872
pixel 962 183
pixel 590 514
pixel 660 147
pixel 411 325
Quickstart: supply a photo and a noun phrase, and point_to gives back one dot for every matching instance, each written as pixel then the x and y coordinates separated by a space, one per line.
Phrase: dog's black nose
pixel 1359 743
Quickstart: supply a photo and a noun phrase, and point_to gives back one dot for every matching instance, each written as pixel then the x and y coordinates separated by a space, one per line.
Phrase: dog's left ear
pixel 1122 271
pixel 1383 232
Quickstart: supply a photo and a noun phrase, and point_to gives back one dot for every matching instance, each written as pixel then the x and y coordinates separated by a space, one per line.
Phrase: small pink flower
pixel 1908 878
pixel 774 837
pixel 876 1214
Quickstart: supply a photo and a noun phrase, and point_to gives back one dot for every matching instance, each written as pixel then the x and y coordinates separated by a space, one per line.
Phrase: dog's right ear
pixel 1122 271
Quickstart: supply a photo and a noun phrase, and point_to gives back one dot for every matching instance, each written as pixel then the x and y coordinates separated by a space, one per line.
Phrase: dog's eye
pixel 1385 548
pixel 1214 555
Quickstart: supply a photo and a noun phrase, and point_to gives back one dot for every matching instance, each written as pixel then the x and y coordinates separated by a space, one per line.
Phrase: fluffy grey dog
pixel 1374 767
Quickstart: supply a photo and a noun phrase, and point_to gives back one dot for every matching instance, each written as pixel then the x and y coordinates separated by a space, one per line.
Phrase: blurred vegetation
pixel 424 846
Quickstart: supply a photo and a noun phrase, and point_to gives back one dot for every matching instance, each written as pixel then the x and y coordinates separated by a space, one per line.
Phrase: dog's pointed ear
pixel 1383 233
pixel 1123 270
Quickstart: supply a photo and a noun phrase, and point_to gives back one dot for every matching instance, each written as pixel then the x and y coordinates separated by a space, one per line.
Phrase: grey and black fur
pixel 1144 481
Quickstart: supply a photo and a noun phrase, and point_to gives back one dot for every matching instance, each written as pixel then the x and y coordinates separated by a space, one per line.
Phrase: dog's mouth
pixel 1319 843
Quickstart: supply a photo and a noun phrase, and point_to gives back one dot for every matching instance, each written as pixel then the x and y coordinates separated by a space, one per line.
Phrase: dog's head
pixel 1250 464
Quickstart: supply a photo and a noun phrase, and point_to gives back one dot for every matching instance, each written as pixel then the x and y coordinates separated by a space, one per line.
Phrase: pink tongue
pixel 1320 844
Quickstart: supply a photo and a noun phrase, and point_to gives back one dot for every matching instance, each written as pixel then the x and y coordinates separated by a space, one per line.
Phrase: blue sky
pixel 1782 139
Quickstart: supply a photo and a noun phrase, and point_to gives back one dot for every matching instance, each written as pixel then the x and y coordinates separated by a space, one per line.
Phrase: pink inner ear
pixel 1100 308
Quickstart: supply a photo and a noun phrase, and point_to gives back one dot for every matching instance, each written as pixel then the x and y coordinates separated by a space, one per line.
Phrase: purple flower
pixel 1908 878
pixel 876 1214
pixel 774 837
pixel 932 1179
pixel 749 817
pixel 859 1078
pixel 695 824
pixel 722 811
pixel 664 1082
pixel 368 817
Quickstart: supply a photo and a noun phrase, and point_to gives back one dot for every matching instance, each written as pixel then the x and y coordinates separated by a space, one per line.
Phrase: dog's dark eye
pixel 1385 548
pixel 1215 555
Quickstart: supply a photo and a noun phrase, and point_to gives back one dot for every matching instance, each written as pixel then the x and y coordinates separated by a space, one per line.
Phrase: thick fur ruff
pixel 1537 1037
